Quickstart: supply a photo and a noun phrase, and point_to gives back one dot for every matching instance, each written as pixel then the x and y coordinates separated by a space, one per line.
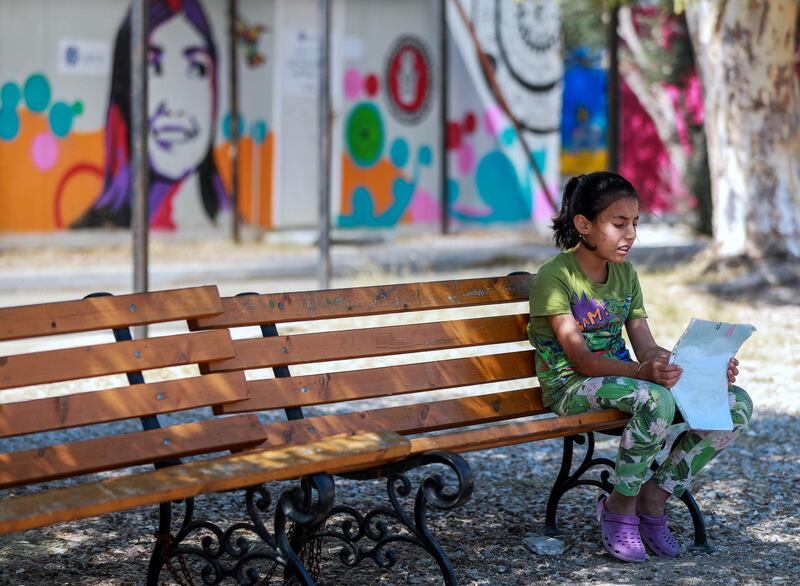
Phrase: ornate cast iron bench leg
pixel 372 536
pixel 567 480
pixel 246 552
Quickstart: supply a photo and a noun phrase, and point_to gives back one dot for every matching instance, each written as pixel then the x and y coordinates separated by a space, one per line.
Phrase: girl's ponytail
pixel 565 236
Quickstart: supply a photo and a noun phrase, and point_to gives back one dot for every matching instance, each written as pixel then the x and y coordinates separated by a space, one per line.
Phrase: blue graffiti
pixel 37 96
pixel 399 152
pixel 499 189
pixel 60 119
pixel 258 131
pixel 364 216
pixel 584 118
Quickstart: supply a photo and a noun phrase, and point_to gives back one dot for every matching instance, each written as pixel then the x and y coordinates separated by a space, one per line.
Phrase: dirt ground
pixel 749 495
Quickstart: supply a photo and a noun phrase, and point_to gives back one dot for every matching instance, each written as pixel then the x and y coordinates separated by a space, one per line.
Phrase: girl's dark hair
pixel 587 195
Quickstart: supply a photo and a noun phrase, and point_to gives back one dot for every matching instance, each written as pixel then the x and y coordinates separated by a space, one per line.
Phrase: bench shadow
pixel 748 495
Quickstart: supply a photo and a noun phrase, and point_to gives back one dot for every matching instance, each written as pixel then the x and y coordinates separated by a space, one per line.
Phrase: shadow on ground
pixel 749 496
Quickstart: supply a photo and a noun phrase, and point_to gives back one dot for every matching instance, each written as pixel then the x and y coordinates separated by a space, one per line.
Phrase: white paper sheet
pixel 703 351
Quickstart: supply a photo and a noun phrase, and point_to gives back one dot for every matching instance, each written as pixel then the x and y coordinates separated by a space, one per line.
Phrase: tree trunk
pixel 745 56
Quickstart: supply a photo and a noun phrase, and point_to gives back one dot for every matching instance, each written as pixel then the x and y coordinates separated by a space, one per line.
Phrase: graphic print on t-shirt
pixel 589 314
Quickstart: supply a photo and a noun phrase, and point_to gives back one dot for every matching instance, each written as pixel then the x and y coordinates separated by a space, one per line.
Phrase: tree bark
pixel 745 58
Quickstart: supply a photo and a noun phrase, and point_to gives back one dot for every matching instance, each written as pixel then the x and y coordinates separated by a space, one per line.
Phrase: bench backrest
pixel 37 409
pixel 304 330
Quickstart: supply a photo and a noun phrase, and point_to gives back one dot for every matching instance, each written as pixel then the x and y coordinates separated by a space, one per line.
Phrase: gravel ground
pixel 749 495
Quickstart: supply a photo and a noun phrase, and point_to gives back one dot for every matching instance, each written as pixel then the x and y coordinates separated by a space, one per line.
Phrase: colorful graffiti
pixel 53 176
pixel 256 146
pixel 50 173
pixel 492 179
pixel 37 97
pixel 505 194
pixel 44 170
pixel 182 102
pixel 584 114
pixel 408 77
pixel 249 36
pixel 523 39
pixel 380 177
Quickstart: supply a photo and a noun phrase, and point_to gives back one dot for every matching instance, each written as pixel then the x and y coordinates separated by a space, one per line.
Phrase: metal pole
pixel 233 80
pixel 613 90
pixel 140 169
pixel 325 115
pixel 444 114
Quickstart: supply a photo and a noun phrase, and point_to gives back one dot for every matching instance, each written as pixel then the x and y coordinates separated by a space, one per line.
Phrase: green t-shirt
pixel 600 310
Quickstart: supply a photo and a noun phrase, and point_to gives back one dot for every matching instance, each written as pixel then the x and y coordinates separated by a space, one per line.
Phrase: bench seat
pixel 203 476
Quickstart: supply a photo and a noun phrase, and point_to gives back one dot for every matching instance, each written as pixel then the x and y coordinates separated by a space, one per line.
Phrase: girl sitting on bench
pixel 580 300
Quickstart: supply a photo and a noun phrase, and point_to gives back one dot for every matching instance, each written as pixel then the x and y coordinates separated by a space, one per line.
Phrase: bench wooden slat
pixel 367 342
pixel 248 310
pixel 194 478
pixel 113 358
pixel 119 451
pixel 120 403
pixel 108 312
pixel 514 433
pixel 411 419
pixel 302 391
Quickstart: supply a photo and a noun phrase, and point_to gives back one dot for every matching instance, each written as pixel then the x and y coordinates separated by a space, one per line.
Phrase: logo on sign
pixel 71 55
pixel 84 57
pixel 408 79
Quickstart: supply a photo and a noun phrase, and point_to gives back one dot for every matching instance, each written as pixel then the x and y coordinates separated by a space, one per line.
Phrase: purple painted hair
pixel 113 206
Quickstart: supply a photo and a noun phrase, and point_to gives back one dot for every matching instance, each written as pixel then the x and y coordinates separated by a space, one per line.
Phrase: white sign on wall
pixel 84 57
pixel 301 64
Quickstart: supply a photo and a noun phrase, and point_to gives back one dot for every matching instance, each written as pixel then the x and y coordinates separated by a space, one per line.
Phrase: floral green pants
pixel 652 408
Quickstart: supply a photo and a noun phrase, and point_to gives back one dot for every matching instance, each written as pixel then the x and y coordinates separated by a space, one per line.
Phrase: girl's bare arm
pixel 590 364
pixel 583 359
pixel 644 345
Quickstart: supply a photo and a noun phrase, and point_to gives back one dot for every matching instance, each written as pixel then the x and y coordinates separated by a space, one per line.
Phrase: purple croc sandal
pixel 620 534
pixel 657 536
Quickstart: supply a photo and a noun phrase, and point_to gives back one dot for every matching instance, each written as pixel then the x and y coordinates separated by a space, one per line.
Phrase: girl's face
pixel 180 94
pixel 613 231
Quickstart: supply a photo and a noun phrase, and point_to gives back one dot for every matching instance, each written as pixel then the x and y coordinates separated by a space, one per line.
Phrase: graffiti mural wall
pixel 491 177
pixel 584 120
pixel 65 115
pixel 387 138
pixel 65 136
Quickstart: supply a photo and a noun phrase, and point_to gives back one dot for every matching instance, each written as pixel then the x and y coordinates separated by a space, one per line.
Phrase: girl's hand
pixel 732 370
pixel 661 373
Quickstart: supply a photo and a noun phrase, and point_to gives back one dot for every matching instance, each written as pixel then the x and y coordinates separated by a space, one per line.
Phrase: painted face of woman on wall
pixel 180 95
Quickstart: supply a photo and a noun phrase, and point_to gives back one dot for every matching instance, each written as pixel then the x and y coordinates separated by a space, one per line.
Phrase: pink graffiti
pixel 471 211
pixel 542 210
pixel 423 207
pixel 353 84
pixel 466 159
pixel 494 120
pixel 44 151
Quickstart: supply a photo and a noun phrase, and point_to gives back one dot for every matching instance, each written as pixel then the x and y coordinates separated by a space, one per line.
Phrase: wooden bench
pixel 74 381
pixel 442 412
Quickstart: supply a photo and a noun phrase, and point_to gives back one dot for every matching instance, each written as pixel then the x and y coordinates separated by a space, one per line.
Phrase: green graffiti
pixel 365 134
